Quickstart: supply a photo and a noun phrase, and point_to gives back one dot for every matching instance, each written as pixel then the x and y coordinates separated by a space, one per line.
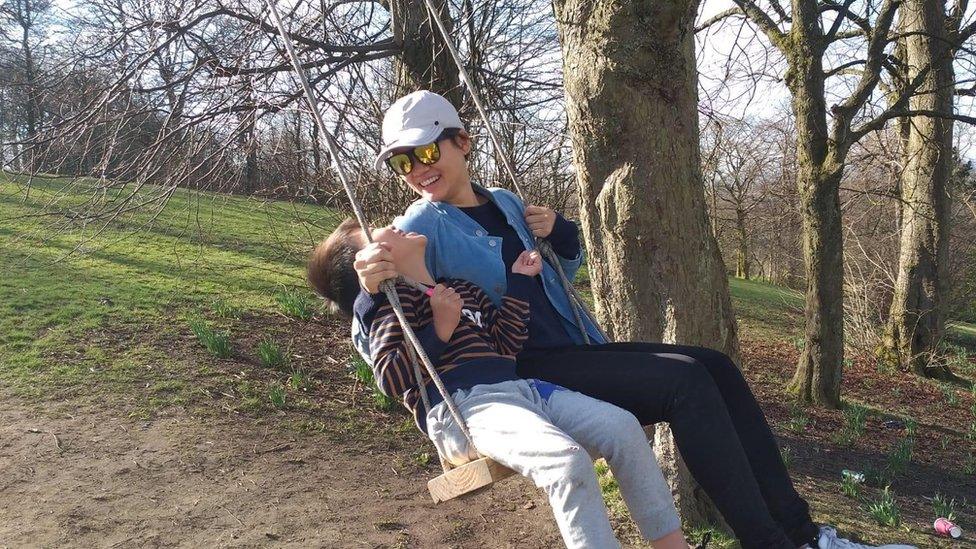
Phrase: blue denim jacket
pixel 458 247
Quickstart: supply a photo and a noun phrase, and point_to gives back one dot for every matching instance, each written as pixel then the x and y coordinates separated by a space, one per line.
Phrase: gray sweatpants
pixel 552 440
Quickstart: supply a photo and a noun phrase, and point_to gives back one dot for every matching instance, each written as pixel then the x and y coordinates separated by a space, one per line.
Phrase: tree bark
pixel 819 170
pixel 424 62
pixel 916 322
pixel 631 99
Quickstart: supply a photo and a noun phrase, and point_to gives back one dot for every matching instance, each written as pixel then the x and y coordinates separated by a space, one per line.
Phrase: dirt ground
pixel 81 478
pixel 83 470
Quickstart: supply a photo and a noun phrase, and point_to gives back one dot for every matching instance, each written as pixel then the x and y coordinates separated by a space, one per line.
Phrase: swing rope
pixel 388 286
pixel 415 350
pixel 575 300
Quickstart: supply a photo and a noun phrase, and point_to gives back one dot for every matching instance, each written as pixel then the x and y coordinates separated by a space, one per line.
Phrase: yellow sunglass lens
pixel 427 154
pixel 401 163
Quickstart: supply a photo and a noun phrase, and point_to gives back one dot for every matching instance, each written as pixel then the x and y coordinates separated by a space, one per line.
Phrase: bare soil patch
pixel 84 478
pixel 95 467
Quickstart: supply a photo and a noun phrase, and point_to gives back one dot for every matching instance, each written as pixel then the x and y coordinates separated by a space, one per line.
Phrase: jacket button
pixel 479 233
pixel 492 243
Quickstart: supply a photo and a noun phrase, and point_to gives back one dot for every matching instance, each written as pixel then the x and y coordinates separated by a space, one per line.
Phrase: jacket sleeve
pixel 390 348
pixel 571 264
pixel 508 325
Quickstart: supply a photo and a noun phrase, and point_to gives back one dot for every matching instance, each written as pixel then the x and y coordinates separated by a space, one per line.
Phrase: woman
pixel 474 232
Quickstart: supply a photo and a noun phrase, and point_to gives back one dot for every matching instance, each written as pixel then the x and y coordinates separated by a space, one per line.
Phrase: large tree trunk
pixel 818 373
pixel 424 62
pixel 916 323
pixel 630 77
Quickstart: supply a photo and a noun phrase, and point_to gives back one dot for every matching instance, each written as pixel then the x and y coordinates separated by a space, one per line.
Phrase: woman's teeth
pixel 429 180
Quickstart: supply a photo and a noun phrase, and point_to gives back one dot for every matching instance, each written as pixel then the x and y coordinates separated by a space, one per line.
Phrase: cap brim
pixel 413 137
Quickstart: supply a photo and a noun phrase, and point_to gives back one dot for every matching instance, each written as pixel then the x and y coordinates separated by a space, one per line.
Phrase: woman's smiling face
pixel 445 179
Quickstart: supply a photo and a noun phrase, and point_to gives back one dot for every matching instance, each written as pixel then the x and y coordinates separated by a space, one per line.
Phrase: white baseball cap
pixel 416 119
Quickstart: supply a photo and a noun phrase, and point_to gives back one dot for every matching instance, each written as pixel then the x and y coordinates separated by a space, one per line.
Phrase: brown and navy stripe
pixel 487 338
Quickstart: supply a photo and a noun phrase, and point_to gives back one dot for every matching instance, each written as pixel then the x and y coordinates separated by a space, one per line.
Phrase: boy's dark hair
pixel 330 270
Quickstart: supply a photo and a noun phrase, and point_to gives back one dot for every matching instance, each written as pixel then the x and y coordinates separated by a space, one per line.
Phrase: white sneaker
pixel 828 540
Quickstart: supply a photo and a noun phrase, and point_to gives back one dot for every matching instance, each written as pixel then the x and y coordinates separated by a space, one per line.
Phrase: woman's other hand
pixel 373 265
pixel 540 220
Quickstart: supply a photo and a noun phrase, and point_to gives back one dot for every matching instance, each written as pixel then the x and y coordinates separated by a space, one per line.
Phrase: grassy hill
pixel 197 302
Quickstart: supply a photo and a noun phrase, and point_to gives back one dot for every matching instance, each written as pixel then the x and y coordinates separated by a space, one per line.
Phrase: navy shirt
pixel 545 328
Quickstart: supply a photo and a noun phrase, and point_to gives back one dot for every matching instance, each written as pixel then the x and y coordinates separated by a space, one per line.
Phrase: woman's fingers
pixel 373 265
pixel 373 253
pixel 373 269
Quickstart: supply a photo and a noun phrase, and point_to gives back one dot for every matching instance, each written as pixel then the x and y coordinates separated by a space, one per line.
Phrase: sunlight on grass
pixel 149 268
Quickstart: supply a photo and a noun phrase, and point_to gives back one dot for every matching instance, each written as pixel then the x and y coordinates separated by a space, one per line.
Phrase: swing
pixel 483 471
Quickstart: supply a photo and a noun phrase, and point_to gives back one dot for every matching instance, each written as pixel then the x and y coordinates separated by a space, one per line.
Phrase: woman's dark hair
pixel 451 133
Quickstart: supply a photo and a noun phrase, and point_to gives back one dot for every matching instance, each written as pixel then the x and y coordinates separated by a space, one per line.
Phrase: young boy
pixel 543 431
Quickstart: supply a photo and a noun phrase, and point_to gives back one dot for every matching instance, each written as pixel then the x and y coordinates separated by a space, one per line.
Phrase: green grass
pixel 295 302
pixel 216 342
pixel 141 278
pixel 364 374
pixel 963 333
pixel 271 354
pixel 885 510
pixel 944 507
pixel 765 310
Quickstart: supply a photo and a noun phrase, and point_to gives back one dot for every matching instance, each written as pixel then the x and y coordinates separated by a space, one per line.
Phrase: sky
pixel 732 93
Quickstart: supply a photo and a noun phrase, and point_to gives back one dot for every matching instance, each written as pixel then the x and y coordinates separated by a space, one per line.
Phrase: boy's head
pixel 425 144
pixel 330 270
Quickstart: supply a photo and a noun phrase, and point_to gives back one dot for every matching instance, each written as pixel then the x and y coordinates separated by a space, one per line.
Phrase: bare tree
pixel 23 27
pixel 740 167
pixel 657 273
pixel 804 37
pixel 916 323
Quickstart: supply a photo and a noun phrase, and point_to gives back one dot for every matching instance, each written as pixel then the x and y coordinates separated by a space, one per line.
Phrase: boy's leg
pixel 507 424
pixel 614 433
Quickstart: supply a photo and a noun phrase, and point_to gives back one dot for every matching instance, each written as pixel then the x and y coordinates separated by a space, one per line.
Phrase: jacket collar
pixel 455 213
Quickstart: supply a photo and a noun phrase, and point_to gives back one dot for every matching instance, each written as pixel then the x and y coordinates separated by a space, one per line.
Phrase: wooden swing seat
pixel 467 478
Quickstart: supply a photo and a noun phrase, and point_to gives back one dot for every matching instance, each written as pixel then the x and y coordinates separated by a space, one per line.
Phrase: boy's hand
pixel 540 220
pixel 373 265
pixel 446 305
pixel 528 263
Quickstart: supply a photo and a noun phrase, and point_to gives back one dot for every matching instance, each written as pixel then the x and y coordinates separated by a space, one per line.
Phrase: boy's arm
pixel 390 348
pixel 508 324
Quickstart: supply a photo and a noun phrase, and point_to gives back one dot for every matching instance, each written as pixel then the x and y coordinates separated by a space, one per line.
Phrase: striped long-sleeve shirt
pixel 481 350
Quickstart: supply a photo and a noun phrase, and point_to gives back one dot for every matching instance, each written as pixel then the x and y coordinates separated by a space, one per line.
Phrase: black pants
pixel 717 424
